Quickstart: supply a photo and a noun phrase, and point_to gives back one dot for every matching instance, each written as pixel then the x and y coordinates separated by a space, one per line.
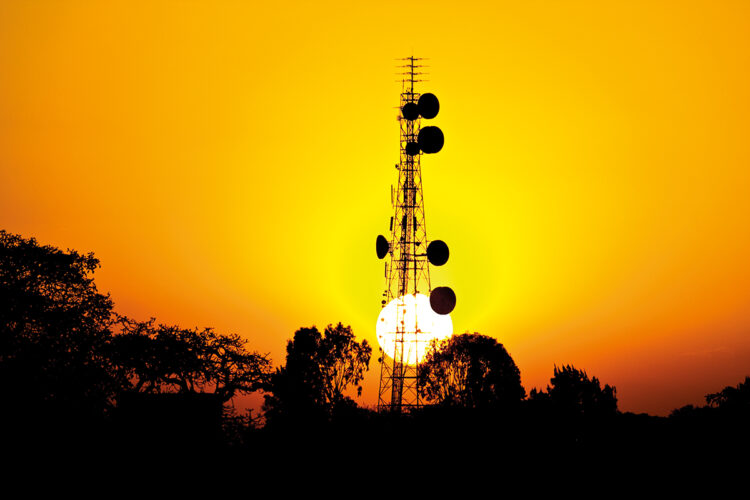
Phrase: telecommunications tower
pixel 414 314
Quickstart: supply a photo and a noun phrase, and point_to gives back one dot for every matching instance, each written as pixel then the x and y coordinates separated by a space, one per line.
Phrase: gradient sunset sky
pixel 230 163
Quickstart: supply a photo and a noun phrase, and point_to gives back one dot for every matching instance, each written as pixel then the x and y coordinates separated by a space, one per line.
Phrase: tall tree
pixel 54 330
pixel 319 369
pixel 343 361
pixel 471 370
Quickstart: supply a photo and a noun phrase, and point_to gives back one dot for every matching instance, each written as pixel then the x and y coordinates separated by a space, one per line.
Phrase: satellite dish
pixel 382 246
pixel 410 111
pixel 437 253
pixel 442 300
pixel 412 148
pixel 430 140
pixel 428 106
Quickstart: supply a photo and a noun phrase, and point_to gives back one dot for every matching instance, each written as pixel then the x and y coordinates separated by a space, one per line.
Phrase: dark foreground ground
pixel 433 437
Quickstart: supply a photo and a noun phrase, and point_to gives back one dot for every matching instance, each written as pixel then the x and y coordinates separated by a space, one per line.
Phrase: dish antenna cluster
pixel 406 325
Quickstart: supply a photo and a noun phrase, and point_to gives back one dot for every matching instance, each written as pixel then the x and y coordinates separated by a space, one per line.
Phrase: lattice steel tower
pixel 406 325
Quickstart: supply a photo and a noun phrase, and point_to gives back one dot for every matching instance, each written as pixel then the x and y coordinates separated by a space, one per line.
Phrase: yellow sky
pixel 230 164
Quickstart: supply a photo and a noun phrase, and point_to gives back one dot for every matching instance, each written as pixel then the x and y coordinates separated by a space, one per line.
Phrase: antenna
pixel 408 256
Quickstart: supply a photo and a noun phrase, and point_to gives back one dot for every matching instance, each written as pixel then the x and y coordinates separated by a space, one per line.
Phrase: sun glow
pixel 419 324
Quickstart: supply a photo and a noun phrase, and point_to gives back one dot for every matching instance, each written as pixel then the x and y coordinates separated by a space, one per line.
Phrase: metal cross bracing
pixel 407 269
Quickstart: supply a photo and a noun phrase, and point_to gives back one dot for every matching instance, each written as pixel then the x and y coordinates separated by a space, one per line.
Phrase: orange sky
pixel 230 164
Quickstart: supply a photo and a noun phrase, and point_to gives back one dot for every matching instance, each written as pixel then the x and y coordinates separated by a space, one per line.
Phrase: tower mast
pixel 407 269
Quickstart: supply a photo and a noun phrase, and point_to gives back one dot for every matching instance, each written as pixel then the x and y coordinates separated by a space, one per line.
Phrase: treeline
pixel 73 372
pixel 69 362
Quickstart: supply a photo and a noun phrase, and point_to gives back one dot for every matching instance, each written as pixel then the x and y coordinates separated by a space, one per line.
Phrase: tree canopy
pixel 470 370
pixel 732 398
pixel 54 328
pixel 163 358
pixel 319 369
pixel 64 350
pixel 572 392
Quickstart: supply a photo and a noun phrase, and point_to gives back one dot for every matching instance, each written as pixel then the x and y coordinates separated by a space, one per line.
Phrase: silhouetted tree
pixel 539 398
pixel 343 362
pixel 573 393
pixel 54 330
pixel 472 371
pixel 163 358
pixel 319 368
pixel 731 398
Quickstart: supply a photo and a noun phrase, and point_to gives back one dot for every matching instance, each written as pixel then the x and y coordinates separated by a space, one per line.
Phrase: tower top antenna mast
pixel 410 72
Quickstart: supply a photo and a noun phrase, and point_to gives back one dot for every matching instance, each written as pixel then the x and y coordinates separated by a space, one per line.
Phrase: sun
pixel 421 325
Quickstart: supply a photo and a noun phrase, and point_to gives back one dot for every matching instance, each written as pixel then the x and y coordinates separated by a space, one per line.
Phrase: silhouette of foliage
pixel 54 329
pixel 732 398
pixel 539 398
pixel 66 360
pixel 163 358
pixel 319 368
pixel 472 371
pixel 573 393
pixel 343 361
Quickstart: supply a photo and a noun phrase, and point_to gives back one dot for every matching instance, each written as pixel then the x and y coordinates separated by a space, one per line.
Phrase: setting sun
pixel 420 326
